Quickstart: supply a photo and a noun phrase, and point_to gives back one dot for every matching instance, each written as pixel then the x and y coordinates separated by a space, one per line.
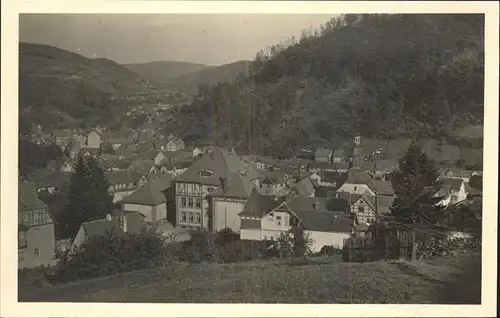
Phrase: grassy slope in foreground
pixel 443 280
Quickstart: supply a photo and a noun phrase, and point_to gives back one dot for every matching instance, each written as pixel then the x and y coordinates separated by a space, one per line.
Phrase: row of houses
pixel 219 190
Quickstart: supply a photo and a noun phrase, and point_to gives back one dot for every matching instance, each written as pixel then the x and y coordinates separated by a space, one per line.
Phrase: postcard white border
pixel 9 100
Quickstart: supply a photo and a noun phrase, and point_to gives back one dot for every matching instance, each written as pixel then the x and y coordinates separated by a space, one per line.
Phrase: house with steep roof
pixel 360 181
pixel 93 140
pixel 121 183
pixel 36 234
pixel 119 224
pixel 141 167
pixel 266 217
pixel 214 171
pixel 304 188
pixel 323 155
pixel 228 200
pixel 149 200
pixel 357 182
pixel 453 190
pixel 339 156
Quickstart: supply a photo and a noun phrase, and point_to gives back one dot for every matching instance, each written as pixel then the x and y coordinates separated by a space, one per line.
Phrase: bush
pixel 109 254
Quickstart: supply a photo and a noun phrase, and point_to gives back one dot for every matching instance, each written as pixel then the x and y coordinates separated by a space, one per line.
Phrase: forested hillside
pixel 210 76
pixel 58 88
pixel 165 71
pixel 383 76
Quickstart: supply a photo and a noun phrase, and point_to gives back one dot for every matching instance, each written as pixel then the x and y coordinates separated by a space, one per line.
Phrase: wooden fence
pixel 394 246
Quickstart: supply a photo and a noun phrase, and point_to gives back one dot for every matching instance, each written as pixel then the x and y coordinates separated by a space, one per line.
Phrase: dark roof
pixel 307 204
pixel 43 179
pixel 135 223
pixel 141 166
pixel 102 227
pixel 151 193
pixel 323 152
pixel 340 152
pixel 259 205
pixel 356 176
pixel 28 197
pixel 120 177
pixel 382 187
pixel 451 183
pixel 323 166
pixel 384 204
pixel 305 187
pixel 221 163
pixel 324 221
pixel 236 186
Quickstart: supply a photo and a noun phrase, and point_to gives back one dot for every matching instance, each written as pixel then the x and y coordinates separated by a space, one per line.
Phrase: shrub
pixel 108 254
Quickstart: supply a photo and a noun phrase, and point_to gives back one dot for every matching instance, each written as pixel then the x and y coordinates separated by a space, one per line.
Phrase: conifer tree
pixel 415 183
pixel 88 197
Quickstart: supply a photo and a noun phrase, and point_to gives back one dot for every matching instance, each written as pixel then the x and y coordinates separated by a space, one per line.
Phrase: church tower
pixel 357 154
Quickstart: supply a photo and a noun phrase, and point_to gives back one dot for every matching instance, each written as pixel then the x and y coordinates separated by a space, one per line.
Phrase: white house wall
pixel 151 213
pixel 320 239
pixel 41 238
pixel 226 215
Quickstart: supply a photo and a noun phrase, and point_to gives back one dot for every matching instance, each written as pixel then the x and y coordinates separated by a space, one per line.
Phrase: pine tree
pixel 88 197
pixel 103 201
pixel 415 184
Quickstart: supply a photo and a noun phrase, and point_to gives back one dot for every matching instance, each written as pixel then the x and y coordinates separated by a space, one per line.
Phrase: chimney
pixel 108 217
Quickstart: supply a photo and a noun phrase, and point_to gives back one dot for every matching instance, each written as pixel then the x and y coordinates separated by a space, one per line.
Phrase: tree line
pixel 379 75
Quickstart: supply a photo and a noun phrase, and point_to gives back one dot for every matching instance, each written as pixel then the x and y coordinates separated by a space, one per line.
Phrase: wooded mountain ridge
pixel 380 75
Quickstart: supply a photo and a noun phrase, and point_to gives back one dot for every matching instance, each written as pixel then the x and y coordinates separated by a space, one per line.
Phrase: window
pixel 21 243
pixel 198 203
pixel 209 190
pixel 37 252
pixel 183 202
pixel 355 188
pixel 287 221
pixel 278 220
pixel 198 218
pixel 361 209
pixel 183 216
pixel 206 173
pixel 190 217
pixel 26 218
pixel 190 202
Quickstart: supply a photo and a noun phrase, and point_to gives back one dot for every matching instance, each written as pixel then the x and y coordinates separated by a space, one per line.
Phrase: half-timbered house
pixel 208 174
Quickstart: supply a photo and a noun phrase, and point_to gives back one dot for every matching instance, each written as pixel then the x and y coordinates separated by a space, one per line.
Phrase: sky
pixel 212 39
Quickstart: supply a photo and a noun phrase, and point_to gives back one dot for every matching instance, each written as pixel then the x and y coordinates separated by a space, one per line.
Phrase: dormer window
pixel 206 173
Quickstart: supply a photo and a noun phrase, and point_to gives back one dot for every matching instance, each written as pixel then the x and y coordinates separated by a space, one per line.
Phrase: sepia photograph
pixel 251 158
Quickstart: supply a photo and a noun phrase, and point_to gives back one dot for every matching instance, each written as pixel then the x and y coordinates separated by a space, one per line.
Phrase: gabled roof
pixel 135 223
pixel 451 183
pixel 307 204
pixel 141 166
pixel 324 221
pixel 369 199
pixel 382 187
pixel 384 204
pixel 236 186
pixel 323 152
pixel 221 163
pixel 259 205
pixel 28 197
pixel 305 187
pixel 120 177
pixel 356 176
pixel 151 193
